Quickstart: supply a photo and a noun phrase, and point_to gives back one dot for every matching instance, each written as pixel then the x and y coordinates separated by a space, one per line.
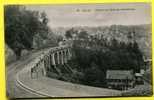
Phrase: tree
pixel 21 25
pixel 138 55
pixel 70 33
pixel 44 18
pixel 83 35
pixel 59 38
pixel 114 44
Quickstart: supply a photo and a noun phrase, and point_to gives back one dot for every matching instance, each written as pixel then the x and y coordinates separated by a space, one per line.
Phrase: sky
pixel 70 15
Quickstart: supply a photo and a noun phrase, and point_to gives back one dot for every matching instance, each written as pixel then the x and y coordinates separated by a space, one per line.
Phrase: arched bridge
pixel 49 61
pixel 54 63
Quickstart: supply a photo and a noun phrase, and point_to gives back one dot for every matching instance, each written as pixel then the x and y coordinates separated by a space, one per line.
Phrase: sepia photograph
pixel 78 50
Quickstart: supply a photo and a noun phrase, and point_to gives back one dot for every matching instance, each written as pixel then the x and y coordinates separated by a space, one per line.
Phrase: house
pixel 139 78
pixel 120 79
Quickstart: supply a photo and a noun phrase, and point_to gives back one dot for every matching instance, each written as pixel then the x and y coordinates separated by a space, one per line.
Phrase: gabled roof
pixel 138 74
pixel 119 74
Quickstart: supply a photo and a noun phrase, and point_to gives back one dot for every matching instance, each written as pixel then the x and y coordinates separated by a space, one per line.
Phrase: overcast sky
pixel 95 14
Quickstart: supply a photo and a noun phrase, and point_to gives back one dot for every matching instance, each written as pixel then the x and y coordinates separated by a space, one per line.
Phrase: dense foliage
pixel 142 90
pixel 22 26
pixel 93 56
pixel 122 56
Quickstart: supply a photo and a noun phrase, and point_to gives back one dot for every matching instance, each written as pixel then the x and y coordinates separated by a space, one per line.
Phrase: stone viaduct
pixel 50 60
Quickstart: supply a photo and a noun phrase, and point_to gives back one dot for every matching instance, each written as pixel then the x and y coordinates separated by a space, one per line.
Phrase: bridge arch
pixel 50 60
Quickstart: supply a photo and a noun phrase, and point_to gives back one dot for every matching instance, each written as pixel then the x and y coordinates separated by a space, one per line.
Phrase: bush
pixel 145 90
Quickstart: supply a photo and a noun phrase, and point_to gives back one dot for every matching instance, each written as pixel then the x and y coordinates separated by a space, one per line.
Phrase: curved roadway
pixel 14 90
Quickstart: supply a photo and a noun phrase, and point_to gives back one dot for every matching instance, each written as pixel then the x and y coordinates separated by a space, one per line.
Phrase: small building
pixel 142 71
pixel 139 78
pixel 120 79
